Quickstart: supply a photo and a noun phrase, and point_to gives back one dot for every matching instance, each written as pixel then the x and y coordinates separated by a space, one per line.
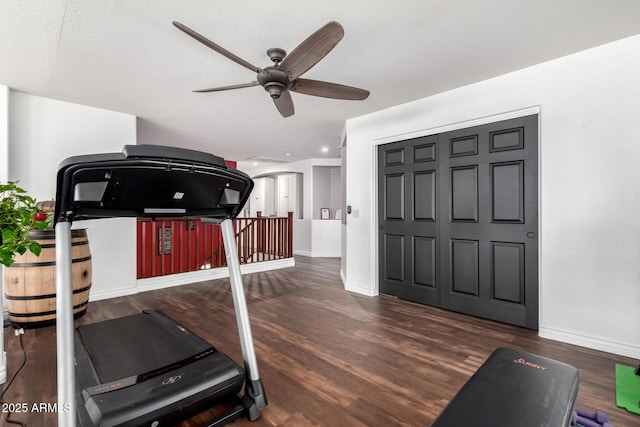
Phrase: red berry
pixel 40 216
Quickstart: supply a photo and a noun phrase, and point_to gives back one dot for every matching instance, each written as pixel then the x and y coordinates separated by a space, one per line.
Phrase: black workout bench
pixel 514 389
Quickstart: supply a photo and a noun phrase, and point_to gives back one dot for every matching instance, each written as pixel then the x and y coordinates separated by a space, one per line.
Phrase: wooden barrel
pixel 30 282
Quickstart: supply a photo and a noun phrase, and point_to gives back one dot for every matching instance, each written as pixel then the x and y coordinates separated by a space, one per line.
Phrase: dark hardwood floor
pixel 328 357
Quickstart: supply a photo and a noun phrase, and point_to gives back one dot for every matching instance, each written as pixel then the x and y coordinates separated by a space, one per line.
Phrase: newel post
pixel 289 234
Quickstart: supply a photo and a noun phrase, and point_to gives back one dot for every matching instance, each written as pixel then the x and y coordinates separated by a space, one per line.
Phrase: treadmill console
pixel 151 181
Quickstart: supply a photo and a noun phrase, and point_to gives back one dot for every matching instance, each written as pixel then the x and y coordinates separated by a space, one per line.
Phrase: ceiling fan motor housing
pixel 274 80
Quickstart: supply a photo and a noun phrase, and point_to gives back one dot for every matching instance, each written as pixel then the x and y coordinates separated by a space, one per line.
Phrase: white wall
pixel 289 194
pixel 262 197
pixel 321 190
pixel 4 133
pixel 4 164
pixel 42 133
pixel 325 237
pixel 283 198
pixel 343 206
pixel 335 202
pixel 325 234
pixel 309 237
pixel 326 190
pixel 302 237
pixel 304 167
pixel 589 107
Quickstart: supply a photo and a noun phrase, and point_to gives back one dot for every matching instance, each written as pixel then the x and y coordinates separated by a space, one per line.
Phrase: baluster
pixel 290 235
pixel 172 268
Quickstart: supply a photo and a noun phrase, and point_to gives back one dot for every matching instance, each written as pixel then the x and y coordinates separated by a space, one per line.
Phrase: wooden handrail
pixel 168 246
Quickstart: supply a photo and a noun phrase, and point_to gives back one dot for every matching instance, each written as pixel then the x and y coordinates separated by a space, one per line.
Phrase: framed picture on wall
pixel 324 213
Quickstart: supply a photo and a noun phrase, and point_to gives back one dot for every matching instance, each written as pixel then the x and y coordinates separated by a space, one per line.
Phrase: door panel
pixel 424 195
pixel 507 191
pixel 424 261
pixel 408 209
pixel 394 258
pixel 464 267
pixel 507 272
pixel 461 209
pixel 394 201
pixel 464 193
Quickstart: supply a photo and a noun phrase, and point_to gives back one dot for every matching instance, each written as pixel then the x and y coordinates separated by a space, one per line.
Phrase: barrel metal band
pixel 45 313
pixel 53 245
pixel 47 263
pixel 45 296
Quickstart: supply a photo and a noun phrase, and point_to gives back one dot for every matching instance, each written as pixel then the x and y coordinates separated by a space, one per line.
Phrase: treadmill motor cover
pixel 146 368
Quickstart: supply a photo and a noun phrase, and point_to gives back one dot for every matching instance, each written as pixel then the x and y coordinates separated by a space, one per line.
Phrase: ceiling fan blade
pixel 284 104
pixel 312 49
pixel 218 89
pixel 329 90
pixel 222 51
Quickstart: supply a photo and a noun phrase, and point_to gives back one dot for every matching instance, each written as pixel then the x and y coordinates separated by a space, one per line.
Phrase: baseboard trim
pixel 303 253
pixel 318 254
pixel 113 293
pixel 599 344
pixel 162 282
pixel 359 290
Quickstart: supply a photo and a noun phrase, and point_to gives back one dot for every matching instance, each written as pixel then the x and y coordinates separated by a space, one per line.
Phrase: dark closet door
pixel 460 230
pixel 408 212
pixel 489 241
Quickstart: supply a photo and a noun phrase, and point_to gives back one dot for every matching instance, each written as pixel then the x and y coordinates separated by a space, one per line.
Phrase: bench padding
pixel 514 389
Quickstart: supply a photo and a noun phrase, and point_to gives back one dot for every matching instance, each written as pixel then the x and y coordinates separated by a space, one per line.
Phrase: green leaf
pixel 35 248
pixel 8 235
pixel 42 225
pixel 6 261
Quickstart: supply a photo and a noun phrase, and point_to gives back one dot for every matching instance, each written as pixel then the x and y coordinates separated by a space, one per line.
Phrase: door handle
pixel 531 234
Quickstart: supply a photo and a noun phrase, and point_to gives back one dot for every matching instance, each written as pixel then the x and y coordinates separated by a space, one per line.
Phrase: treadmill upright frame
pixel 64 327
pixel 228 202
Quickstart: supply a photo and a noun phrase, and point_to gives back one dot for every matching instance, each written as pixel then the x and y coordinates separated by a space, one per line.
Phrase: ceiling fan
pixel 284 76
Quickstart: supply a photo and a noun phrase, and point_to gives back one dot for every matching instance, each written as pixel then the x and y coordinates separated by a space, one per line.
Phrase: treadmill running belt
pixel 139 344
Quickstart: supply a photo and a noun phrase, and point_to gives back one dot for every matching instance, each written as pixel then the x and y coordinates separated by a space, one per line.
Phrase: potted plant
pixel 18 215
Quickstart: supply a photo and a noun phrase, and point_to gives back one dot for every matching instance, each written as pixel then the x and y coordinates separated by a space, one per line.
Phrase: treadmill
pixel 147 369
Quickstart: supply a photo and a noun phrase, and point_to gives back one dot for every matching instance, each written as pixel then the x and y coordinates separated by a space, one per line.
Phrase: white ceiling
pixel 127 56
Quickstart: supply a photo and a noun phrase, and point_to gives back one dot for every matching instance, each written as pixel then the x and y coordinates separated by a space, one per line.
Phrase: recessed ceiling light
pixel 287 154
pixel 325 149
